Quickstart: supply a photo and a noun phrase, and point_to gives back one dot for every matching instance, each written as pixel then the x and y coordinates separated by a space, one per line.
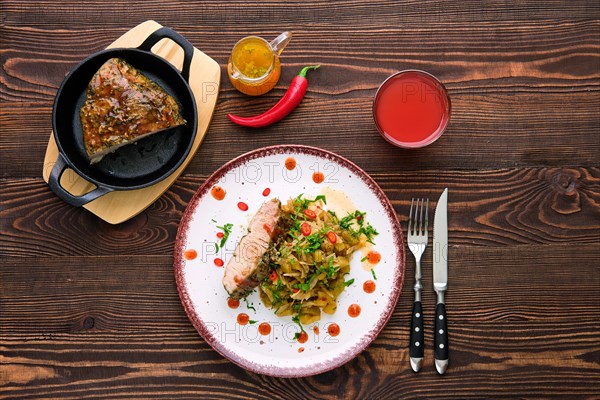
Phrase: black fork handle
pixel 417 337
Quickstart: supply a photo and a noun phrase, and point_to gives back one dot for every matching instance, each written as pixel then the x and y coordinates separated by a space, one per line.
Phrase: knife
pixel 440 281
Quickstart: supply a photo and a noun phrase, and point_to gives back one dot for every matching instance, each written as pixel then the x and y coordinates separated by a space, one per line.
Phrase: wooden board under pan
pixel 205 73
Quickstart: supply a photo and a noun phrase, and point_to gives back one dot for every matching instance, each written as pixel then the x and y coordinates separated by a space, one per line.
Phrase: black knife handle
pixel 441 333
pixel 417 335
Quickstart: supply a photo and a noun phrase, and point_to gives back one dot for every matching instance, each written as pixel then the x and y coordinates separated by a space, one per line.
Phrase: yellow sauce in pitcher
pixel 254 66
pixel 253 57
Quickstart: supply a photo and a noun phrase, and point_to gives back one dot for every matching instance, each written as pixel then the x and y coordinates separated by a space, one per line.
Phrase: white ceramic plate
pixel 199 281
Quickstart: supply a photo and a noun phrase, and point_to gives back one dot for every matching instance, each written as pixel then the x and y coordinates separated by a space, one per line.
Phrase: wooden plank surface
pixel 138 334
pixel 518 91
pixel 521 158
pixel 493 207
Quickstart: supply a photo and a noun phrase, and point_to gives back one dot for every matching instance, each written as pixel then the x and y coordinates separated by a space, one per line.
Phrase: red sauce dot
pixel 354 310
pixel 303 337
pixel 233 303
pixel 243 206
pixel 301 349
pixel 190 254
pixel 373 257
pixel 218 192
pixel 333 329
pixel 316 330
pixel 266 192
pixel 318 177
pixel 220 235
pixel 369 286
pixel 243 318
pixel 219 262
pixel 264 328
pixel 290 163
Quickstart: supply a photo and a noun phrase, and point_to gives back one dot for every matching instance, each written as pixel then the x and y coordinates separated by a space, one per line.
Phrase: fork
pixel 417 242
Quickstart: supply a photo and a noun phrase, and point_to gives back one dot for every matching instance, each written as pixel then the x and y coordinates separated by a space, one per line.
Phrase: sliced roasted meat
pixel 250 262
pixel 122 106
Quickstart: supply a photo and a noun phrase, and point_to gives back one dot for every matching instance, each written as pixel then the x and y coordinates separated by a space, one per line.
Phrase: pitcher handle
pixel 279 43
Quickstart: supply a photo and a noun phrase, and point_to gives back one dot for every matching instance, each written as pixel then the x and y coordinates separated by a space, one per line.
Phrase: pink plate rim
pixel 280 370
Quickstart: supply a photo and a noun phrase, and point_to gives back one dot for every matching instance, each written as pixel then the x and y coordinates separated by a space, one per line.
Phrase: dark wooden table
pixel 90 310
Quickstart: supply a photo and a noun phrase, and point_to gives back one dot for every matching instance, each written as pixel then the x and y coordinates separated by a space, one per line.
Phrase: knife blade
pixel 440 281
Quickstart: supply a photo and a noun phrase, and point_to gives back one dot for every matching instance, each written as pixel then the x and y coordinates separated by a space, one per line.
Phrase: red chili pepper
pixel 332 236
pixel 284 106
pixel 305 229
pixel 273 276
pixel 310 214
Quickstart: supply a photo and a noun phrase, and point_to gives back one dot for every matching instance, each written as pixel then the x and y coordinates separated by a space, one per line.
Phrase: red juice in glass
pixel 411 109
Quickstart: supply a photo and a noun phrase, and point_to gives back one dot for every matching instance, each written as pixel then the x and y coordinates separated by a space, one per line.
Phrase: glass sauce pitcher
pixel 253 66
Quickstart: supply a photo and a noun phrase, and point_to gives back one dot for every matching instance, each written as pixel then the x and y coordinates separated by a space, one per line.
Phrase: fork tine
pixel 416 218
pixel 410 215
pixel 426 212
pixel 421 217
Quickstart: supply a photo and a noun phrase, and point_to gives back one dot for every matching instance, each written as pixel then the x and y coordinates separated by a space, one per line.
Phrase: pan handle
pixel 54 182
pixel 188 48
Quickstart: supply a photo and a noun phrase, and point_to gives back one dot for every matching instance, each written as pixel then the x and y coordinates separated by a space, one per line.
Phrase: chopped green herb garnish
pixel 333 216
pixel 305 287
pixel 314 243
pixel 373 273
pixel 302 204
pixel 296 319
pixel 363 259
pixel 346 221
pixel 252 321
pixel 328 270
pixel 359 218
pixel 297 307
pixel 320 197
pixel 249 305
pixel 349 282
pixel 277 298
pixel 226 231
pixel 369 232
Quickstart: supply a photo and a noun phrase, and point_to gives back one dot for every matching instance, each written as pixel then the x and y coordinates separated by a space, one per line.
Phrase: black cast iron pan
pixel 133 166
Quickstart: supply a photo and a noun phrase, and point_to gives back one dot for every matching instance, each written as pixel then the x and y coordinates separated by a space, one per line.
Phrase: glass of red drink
pixel 411 109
